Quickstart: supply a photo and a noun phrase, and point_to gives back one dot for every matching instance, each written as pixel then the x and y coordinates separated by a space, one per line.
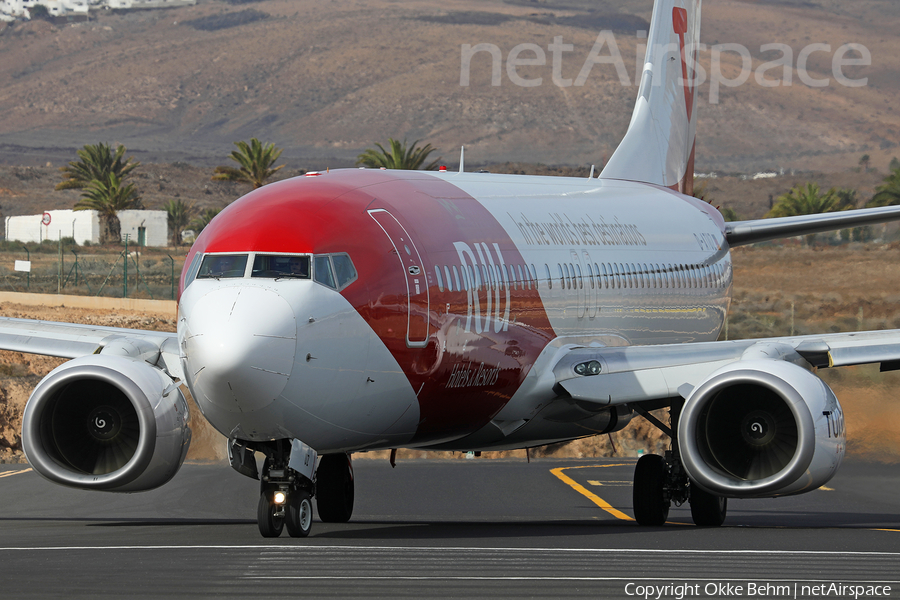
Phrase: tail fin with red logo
pixel 659 145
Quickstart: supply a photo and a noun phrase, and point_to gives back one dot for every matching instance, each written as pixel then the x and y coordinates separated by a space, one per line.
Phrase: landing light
pixel 588 368
pixel 279 498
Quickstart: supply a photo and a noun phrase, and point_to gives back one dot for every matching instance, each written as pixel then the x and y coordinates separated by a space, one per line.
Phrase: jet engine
pixel 761 428
pixel 106 423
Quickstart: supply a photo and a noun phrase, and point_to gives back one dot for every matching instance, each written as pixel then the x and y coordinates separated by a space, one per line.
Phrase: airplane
pixel 363 309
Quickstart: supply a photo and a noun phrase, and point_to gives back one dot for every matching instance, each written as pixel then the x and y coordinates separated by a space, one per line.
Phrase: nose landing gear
pixel 286 490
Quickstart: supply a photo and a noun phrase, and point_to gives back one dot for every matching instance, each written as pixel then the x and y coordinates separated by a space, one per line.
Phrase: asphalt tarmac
pixel 449 529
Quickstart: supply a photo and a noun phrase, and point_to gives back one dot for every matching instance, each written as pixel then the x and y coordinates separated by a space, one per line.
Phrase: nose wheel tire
pixel 298 514
pixel 651 506
pixel 334 488
pixel 707 510
pixel 269 516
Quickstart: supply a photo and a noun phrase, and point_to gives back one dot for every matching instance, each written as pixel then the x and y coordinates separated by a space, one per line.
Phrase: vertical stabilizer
pixel 659 145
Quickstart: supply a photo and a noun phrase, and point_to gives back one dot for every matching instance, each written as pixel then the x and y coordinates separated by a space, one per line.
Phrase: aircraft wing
pixel 739 233
pixel 633 374
pixel 68 340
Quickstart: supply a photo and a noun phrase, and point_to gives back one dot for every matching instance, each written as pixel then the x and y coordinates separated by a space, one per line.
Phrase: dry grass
pixel 327 79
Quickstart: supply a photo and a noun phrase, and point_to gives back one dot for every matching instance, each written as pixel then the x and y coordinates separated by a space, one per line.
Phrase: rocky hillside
pixel 327 79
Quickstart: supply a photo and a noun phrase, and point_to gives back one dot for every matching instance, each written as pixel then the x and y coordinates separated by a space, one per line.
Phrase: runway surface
pixel 449 529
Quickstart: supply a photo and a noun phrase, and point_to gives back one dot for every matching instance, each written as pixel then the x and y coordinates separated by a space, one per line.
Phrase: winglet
pixel 659 145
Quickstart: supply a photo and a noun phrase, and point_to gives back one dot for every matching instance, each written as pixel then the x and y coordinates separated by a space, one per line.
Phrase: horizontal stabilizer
pixel 739 233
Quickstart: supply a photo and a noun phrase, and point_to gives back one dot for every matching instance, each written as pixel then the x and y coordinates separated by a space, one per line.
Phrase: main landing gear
pixel 661 481
pixel 334 488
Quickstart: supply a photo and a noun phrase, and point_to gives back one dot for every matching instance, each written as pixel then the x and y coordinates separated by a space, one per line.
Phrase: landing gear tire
pixel 651 507
pixel 298 513
pixel 269 516
pixel 707 510
pixel 334 488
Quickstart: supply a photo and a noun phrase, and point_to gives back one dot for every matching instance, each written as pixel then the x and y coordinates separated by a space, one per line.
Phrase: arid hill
pixel 327 79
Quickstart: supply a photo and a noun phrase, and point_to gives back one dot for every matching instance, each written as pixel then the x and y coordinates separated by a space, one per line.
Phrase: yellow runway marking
pixel 592 482
pixel 826 489
pixel 11 473
pixel 589 494
pixel 894 530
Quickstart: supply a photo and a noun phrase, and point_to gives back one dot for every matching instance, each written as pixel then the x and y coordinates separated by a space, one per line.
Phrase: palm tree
pixel 888 193
pixel 400 157
pixel 864 162
pixel 809 200
pixel 39 11
pixel 108 197
pixel 97 162
pixel 179 215
pixel 203 219
pixel 255 160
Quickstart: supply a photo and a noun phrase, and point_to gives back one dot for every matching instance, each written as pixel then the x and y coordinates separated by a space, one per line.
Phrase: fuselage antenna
pixel 462 156
pixel 591 176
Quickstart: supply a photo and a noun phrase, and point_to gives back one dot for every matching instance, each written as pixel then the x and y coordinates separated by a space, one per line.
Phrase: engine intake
pixel 106 423
pixel 761 428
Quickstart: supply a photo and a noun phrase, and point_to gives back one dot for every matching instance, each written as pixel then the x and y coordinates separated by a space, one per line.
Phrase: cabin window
pixel 440 281
pixel 449 281
pixel 456 278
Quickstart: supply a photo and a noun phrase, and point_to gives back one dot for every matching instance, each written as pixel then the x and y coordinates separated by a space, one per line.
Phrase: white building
pixel 143 227
pixel 57 8
pixel 21 9
pixel 10 10
pixel 126 4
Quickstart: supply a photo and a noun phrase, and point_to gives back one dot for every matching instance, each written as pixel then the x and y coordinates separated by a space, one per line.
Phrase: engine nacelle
pixel 761 428
pixel 108 423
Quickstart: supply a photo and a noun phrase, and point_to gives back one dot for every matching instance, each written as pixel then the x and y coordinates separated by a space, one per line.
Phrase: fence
pixel 85 271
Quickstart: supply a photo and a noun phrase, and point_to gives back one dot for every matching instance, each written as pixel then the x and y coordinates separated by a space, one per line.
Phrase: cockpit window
pixel 323 271
pixel 222 265
pixel 333 270
pixel 344 270
pixel 279 265
pixel 192 270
